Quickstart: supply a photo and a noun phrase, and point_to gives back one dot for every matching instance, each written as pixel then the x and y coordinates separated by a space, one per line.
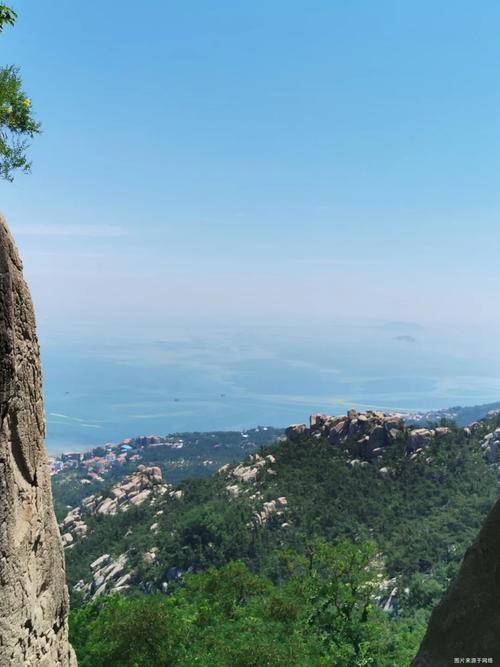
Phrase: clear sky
pixel 273 163
pixel 260 160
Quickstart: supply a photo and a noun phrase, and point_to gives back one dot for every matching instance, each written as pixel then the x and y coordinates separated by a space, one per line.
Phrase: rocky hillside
pixel 134 489
pixel 178 455
pixel 420 494
pixel 372 431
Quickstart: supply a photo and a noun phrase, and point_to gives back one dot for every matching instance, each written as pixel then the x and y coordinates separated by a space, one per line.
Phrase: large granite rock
pixel 33 594
pixel 373 431
pixel 466 623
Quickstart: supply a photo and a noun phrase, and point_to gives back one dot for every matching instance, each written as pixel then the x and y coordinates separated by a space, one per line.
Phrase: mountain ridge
pixel 417 494
pixel 372 444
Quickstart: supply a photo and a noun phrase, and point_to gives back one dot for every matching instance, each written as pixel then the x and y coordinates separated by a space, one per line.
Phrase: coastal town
pixel 176 452
pixel 98 461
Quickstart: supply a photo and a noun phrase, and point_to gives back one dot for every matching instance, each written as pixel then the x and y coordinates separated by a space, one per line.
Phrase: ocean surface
pixel 104 390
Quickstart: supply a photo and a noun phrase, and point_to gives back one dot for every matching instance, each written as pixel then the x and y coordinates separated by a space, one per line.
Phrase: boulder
pixel 107 506
pixel 355 428
pixel 393 423
pixel 377 438
pixel 67 539
pixel 247 474
pixel 419 437
pixel 338 431
pixel 233 490
pixel 441 430
pixel 118 494
pixel 141 497
pixel 99 562
pixel 148 559
pixel 296 431
pixel 155 475
pixel 80 529
pixel 393 433
pixel 123 581
pixel 491 450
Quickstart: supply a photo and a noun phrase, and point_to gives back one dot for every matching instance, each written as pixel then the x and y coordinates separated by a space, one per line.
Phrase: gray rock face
pixel 33 594
pixel 373 431
pixel 466 623
pixel 296 431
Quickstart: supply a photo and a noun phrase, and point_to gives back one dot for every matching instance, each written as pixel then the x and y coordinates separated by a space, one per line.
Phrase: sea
pixel 107 388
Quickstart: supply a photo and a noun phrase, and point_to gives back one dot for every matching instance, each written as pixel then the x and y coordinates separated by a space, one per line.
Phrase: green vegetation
pixel 17 124
pixel 7 16
pixel 320 614
pixel 68 490
pixel 417 514
pixel 201 454
pixel 422 515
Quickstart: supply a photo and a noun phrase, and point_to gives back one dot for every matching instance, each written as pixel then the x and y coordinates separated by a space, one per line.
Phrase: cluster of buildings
pixel 97 462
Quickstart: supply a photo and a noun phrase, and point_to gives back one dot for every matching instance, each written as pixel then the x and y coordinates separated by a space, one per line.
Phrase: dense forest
pixel 318 612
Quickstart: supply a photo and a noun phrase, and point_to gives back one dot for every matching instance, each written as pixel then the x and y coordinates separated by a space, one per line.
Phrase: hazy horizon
pixel 102 390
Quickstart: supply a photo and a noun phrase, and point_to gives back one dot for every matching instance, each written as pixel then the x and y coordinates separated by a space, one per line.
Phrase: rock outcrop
pixel 491 445
pixel 135 489
pixel 372 431
pixel 109 575
pixel 246 474
pixel 466 623
pixel 33 594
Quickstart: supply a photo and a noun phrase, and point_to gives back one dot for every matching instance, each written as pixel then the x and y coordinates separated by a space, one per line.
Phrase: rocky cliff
pixel 372 431
pixel 466 623
pixel 33 595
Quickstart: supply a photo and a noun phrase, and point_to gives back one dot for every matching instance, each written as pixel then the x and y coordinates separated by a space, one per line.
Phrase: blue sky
pixel 244 160
pixel 243 165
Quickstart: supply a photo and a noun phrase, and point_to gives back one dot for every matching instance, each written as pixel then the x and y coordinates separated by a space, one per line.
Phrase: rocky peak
pixel 372 430
pixel 34 600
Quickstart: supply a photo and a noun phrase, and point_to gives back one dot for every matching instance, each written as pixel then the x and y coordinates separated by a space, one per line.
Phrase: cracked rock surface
pixel 33 593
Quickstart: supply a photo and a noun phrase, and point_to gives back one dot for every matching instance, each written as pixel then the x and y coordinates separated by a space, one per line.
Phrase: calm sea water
pixel 102 391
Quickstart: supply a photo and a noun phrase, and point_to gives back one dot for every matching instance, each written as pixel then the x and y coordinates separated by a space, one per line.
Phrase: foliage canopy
pixel 17 124
pixel 321 615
